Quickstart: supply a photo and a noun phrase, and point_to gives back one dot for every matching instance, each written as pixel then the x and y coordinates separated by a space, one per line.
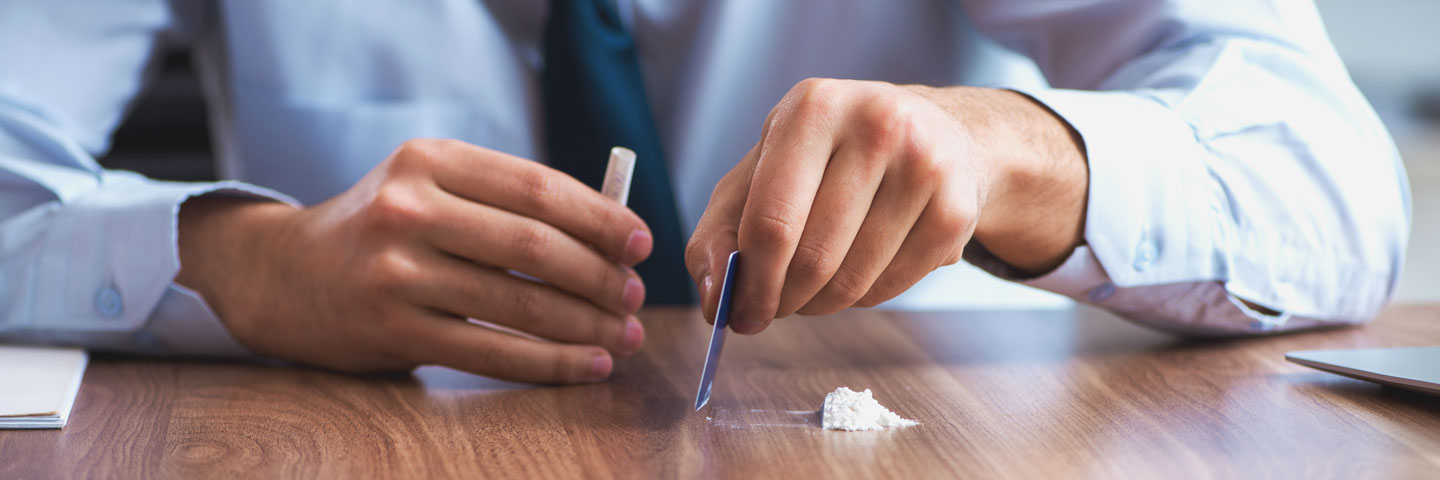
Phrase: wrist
pixel 219 240
pixel 1032 213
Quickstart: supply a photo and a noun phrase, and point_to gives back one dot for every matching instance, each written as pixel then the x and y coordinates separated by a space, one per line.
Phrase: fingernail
pixel 705 284
pixel 600 368
pixel 637 245
pixel 634 294
pixel 739 325
pixel 634 335
pixel 748 328
pixel 745 324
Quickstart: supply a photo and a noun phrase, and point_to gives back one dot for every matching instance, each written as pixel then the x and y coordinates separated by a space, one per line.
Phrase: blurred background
pixel 1391 48
pixel 1393 51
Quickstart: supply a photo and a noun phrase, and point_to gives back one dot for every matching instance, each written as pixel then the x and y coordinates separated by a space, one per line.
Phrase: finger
pixel 897 205
pixel 476 349
pixel 714 239
pixel 532 190
pixel 935 241
pixel 787 175
pixel 841 204
pixel 707 254
pixel 534 248
pixel 458 287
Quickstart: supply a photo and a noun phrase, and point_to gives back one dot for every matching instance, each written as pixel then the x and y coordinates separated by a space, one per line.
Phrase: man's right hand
pixel 383 276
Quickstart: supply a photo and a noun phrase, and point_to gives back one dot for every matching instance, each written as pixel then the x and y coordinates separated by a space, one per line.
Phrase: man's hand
pixel 383 276
pixel 856 190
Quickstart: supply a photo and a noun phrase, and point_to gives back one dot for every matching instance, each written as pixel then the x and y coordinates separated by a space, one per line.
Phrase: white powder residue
pixel 846 409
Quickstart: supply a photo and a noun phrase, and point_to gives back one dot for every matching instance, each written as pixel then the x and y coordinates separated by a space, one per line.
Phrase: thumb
pixel 715 236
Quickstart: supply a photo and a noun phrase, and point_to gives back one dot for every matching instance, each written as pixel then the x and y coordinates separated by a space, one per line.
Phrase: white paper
pixel 38 385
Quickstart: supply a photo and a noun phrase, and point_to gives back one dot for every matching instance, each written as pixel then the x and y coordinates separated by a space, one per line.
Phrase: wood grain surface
pixel 999 394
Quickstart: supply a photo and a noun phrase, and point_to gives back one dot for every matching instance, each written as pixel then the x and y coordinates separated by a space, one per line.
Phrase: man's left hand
pixel 857 190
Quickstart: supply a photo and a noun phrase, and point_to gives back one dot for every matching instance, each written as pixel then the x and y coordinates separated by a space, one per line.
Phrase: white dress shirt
pixel 1230 155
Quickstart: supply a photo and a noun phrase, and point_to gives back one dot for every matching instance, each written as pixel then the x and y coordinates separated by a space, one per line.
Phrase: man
pixel 1205 167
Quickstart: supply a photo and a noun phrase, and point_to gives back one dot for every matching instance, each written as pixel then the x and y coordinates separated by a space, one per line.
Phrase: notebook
pixel 38 385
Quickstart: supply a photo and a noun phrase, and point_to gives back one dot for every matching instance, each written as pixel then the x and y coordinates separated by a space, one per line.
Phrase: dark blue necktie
pixel 594 99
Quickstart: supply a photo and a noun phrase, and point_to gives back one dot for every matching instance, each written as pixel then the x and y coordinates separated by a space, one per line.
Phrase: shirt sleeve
pixel 88 256
pixel 1231 160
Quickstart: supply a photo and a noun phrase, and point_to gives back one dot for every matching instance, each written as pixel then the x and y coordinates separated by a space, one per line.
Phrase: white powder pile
pixel 846 409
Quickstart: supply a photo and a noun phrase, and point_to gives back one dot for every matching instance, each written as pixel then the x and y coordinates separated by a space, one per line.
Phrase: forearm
pixel 1034 212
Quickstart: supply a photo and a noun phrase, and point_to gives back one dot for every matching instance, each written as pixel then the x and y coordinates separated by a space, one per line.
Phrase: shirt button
pixel 1144 254
pixel 1102 292
pixel 109 302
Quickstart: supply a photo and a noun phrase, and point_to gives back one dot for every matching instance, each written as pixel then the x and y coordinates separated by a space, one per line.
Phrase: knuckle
pixel 773 224
pixel 949 224
pixel 769 229
pixel 494 359
pixel 527 303
pixel 538 189
pixel 611 224
pixel 416 154
pixel 922 167
pixel 878 294
pixel 727 183
pixel 848 286
pixel 868 301
pixel 770 121
pixel 396 206
pixel 876 297
pixel 953 258
pixel 396 327
pixel 954 222
pixel 813 262
pixel 809 83
pixel 814 97
pixel 888 122
pixel 390 271
pixel 816 309
pixel 894 131
pixel 695 250
pixel 561 369
pixel 607 285
pixel 599 329
pixel 530 244
pixel 816 88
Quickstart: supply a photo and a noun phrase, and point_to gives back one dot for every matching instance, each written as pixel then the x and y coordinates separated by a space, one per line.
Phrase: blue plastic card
pixel 717 336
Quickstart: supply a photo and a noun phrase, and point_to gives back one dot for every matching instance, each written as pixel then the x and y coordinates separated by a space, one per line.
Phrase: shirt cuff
pixel 1154 232
pixel 1195 309
pixel 1153 210
pixel 1079 277
pixel 184 324
pixel 108 274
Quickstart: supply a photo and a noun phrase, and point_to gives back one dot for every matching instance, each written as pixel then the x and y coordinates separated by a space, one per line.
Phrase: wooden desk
pixel 1000 394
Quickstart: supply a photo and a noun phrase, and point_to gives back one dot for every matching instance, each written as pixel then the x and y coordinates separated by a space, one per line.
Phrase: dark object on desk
pixel 1416 368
